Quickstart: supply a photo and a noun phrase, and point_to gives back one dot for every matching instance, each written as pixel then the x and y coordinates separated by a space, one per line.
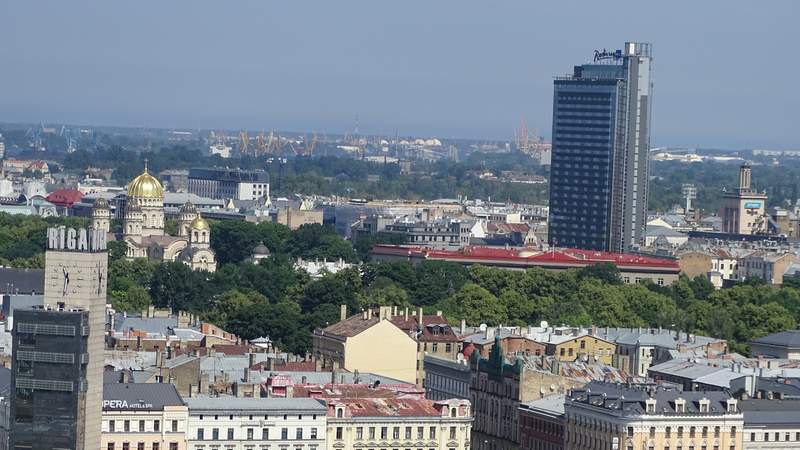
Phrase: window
pixel 140 446
pixel 298 433
pixel 680 432
pixel 630 431
pixel 420 432
pixel 174 426
pixel 384 432
pixel 339 413
pixel 111 427
pixel 448 347
pixel 652 432
pixel 313 433
pixel 434 347
pixel 126 446
pixel 705 432
pixel 215 433
pixel 433 433
pixel 110 446
pixel 691 432
pixel 562 351
pixel 265 433
pixel 667 432
pixel 453 432
pixel 126 425
pixel 284 433
pixel 396 433
pixel 230 434
pixel 141 426
pixel 173 446
pixel 157 425
pixel 249 434
pixel 339 433
pixel 200 434
pixel 359 433
pixel 372 432
pixel 583 344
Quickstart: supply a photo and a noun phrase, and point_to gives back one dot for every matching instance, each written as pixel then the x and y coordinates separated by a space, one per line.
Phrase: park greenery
pixel 273 298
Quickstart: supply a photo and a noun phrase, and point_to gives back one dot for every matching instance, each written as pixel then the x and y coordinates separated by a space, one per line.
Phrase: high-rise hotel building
pixel 57 366
pixel 601 139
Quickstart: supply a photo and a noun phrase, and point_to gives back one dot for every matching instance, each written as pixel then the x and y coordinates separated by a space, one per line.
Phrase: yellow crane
pixel 245 142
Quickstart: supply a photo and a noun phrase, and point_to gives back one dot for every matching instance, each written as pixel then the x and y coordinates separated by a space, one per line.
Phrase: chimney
pixel 270 363
pixel 342 312
pixel 190 391
pixel 419 318
pixel 439 313
pixel 246 374
pixel 169 351
pixel 125 376
pixel 251 360
pixel 369 313
pixel 364 314
pixel 406 318
pixel 394 311
pixel 333 374
pixel 463 326
pixel 159 358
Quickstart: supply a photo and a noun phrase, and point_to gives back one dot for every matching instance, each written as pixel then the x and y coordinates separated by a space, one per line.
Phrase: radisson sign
pixel 601 55
pixel 76 240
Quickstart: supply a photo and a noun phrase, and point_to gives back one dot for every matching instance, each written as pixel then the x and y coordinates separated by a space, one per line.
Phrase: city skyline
pixel 414 71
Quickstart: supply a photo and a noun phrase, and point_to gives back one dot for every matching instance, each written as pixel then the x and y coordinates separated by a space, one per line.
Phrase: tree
pixel 475 305
pixel 233 241
pixel 364 244
pixel 315 241
pixel 384 292
pixel 228 303
pixel 177 286
pixel 134 299
pixel 605 272
pixel 437 280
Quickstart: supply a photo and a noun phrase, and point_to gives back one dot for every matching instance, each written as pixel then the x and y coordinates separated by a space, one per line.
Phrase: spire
pixel 145 165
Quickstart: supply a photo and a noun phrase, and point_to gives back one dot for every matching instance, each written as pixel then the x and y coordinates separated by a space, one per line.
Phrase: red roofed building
pixel 399 423
pixel 633 268
pixel 65 198
pixel 435 336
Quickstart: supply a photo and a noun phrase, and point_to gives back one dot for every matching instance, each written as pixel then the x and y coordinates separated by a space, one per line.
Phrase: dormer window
pixel 680 405
pixel 651 405
pixel 732 405
pixel 704 404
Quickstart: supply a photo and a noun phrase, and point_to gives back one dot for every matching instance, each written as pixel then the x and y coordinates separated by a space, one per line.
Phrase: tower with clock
pixel 76 265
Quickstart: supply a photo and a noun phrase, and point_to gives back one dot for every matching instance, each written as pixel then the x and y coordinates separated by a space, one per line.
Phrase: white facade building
pixel 231 423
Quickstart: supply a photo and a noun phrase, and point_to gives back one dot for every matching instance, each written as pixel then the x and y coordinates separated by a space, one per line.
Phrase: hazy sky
pixel 725 71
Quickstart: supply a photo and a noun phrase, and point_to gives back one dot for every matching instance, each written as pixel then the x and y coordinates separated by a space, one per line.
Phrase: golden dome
pixel 145 186
pixel 199 223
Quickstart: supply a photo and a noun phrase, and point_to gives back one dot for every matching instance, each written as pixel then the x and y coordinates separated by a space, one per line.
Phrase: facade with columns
pixel 143 227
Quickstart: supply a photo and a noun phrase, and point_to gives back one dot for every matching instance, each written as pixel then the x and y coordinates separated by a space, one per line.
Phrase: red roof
pixel 530 257
pixel 65 197
pixel 355 391
pixel 386 407
pixel 431 323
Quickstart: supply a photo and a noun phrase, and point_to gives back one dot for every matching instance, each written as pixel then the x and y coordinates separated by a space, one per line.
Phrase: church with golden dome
pixel 143 227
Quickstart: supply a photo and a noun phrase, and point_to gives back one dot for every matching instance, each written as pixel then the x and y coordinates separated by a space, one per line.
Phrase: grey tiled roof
pixel 24 281
pixel 156 325
pixel 770 412
pixel 787 339
pixel 200 404
pixel 148 396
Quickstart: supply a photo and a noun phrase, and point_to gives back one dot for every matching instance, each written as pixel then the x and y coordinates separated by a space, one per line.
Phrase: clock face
pixel 87 280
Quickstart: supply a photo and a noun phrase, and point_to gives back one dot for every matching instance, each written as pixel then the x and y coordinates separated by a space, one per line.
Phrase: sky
pixel 724 71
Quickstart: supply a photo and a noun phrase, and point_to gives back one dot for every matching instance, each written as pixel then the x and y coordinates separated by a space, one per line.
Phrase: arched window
pixel 339 413
pixel 453 412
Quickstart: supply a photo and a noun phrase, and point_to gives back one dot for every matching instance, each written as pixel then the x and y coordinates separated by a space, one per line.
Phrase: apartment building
pixel 381 423
pixel 351 344
pixel 255 423
pixel 143 416
pixel 605 416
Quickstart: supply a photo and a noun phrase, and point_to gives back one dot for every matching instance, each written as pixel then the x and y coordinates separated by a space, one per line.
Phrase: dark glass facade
pixel 598 173
pixel 48 381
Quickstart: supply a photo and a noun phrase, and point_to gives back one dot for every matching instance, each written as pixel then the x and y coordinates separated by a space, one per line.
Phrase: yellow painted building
pixel 573 346
pixel 607 416
pixel 368 343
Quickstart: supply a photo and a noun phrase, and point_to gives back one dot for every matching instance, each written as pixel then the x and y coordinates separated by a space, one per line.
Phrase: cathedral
pixel 143 227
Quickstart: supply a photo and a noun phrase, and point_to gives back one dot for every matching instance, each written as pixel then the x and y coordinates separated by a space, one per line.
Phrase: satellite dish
pixel 460 357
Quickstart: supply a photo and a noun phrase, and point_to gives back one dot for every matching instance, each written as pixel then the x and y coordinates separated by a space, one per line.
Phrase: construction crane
pixel 244 142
